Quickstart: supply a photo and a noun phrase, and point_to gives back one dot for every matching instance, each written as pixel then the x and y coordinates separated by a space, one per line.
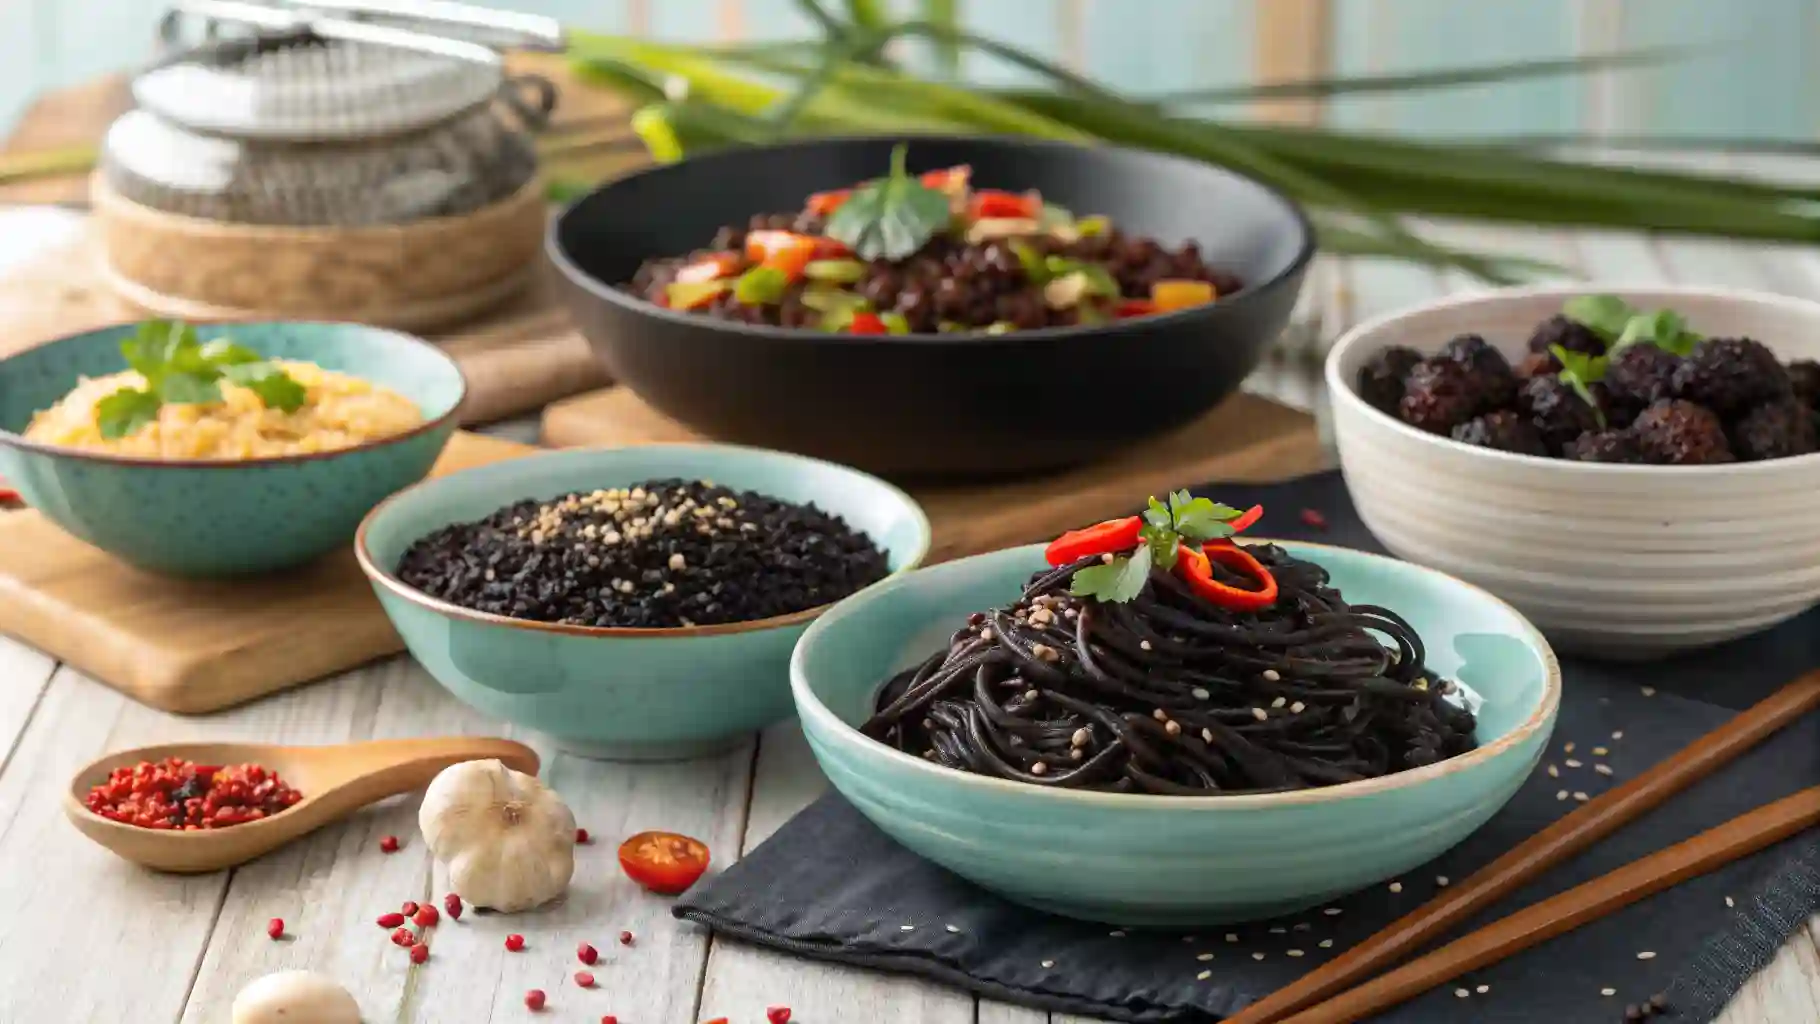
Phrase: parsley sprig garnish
pixel 1185 520
pixel 179 368
pixel 893 217
pixel 1621 326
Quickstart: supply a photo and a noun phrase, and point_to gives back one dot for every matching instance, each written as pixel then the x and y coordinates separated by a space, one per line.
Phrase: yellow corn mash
pixel 339 412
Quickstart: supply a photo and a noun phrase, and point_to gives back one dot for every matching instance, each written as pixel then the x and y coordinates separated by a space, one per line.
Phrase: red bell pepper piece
pixel 830 249
pixel 1129 308
pixel 867 323
pixel 711 268
pixel 1107 538
pixel 1247 519
pixel 949 179
pixel 1195 566
pixel 783 250
pixel 823 204
pixel 994 204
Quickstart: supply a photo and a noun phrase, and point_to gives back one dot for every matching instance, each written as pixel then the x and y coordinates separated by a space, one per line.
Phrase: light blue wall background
pixel 1759 76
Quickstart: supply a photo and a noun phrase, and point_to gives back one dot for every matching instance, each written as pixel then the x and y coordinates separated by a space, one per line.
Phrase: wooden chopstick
pixel 1547 848
pixel 1743 835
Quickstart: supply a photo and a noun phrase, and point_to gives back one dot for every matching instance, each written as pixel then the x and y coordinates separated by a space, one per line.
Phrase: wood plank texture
pixel 194 646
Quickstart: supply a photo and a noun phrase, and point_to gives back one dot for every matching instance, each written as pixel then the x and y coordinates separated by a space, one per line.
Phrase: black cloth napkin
pixel 829 885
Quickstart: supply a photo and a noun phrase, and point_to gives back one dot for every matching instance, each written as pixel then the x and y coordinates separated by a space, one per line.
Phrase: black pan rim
pixel 614 296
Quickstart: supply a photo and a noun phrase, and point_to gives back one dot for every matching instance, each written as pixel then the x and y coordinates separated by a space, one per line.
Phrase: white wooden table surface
pixel 87 937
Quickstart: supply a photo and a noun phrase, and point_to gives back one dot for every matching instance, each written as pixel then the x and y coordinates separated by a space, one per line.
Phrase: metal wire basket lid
pixel 302 88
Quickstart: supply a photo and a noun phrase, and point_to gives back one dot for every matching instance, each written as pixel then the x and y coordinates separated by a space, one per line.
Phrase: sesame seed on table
pixel 179 948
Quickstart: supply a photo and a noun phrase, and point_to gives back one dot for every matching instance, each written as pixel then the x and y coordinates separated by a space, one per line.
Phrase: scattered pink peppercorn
pixel 515 942
pixel 388 844
pixel 625 938
pixel 1314 518
pixel 778 1015
pixel 534 999
pixel 584 979
pixel 451 905
pixel 409 908
pixel 404 937
pixel 426 916
pixel 587 954
pixel 419 953
pixel 609 1019
pixel 581 835
pixel 391 920
pixel 275 928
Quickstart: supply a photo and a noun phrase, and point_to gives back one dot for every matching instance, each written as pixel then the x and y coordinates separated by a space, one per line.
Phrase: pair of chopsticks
pixel 1324 996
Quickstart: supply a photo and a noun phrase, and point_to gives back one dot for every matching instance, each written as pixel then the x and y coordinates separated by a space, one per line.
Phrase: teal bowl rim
pixel 401 589
pixel 808 706
pixel 20 441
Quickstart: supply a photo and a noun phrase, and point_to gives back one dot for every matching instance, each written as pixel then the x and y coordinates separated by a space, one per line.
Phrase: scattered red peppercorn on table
pixel 72 910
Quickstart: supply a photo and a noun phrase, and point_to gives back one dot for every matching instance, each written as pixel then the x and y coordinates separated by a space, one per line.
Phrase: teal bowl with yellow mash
pixel 1140 859
pixel 224 517
pixel 609 692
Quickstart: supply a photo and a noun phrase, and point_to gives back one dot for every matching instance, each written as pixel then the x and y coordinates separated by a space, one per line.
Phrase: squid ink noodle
pixel 1179 668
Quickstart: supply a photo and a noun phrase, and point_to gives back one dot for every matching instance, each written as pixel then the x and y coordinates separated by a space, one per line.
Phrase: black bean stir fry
pixel 930 254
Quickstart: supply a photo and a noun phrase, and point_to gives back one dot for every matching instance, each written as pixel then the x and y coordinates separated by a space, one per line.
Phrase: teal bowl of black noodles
pixel 937 403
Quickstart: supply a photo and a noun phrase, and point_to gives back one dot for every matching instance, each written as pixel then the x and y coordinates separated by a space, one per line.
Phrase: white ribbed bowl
pixel 1614 560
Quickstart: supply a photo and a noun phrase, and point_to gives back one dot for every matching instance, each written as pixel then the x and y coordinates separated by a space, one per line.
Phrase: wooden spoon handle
pixel 1743 835
pixel 365 772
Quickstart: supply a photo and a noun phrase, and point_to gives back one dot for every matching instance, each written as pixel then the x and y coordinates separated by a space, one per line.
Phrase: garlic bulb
pixel 295 997
pixel 508 841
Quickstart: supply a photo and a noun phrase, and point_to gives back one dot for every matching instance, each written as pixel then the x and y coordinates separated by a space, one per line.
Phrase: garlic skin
pixel 295 997
pixel 507 840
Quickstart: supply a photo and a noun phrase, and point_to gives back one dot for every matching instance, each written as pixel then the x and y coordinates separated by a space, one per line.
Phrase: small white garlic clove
pixel 295 997
pixel 507 840
pixel 1067 291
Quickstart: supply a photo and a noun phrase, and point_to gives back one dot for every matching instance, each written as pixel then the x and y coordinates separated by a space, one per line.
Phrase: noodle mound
pixel 339 412
pixel 1171 694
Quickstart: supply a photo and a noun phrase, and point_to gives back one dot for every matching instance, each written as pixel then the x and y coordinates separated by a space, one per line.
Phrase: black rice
pixel 656 555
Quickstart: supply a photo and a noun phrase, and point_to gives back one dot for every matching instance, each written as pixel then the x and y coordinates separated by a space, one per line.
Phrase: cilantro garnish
pixel 180 369
pixel 1665 329
pixel 1604 315
pixel 1184 520
pixel 891 218
pixel 1580 372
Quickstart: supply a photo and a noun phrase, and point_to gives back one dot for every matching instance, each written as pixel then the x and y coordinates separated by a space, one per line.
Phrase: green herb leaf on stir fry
pixel 178 368
pixel 891 218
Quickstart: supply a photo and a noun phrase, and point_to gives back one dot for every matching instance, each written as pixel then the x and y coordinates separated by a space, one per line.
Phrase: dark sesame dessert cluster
pixel 930 254
pixel 1604 383
pixel 657 555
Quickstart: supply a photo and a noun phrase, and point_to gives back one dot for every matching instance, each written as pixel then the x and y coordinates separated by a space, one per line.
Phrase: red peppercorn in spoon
pixel 333 782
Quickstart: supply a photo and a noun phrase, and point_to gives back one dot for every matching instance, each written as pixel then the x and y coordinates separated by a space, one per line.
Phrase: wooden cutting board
pixel 194 646
pixel 1246 438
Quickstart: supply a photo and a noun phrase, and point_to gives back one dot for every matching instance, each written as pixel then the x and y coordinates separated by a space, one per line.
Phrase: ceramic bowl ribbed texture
pixel 624 694
pixel 225 518
pixel 1614 560
pixel 1168 860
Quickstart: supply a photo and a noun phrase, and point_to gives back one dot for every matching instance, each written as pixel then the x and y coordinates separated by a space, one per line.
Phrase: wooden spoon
pixel 334 781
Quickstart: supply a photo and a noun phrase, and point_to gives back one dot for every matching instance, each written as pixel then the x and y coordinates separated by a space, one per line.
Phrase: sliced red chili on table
pixel 1195 567
pixel 867 323
pixel 994 204
pixel 663 862
pixel 1107 538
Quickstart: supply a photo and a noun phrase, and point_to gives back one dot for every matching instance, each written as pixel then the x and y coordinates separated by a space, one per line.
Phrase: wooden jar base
pixel 416 276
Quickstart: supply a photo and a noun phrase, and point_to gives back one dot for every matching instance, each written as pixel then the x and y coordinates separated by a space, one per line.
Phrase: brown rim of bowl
pixel 1341 390
pixel 449 609
pixel 20 441
pixel 1545 710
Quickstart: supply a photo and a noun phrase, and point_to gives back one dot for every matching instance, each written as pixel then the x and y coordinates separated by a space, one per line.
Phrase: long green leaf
pixel 946 16
pixel 1442 78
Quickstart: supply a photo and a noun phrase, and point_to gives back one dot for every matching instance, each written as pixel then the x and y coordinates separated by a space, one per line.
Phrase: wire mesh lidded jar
pixel 294 175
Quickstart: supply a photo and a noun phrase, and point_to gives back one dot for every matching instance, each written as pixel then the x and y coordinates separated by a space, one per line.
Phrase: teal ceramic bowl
pixel 1165 860
pixel 622 694
pixel 216 518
